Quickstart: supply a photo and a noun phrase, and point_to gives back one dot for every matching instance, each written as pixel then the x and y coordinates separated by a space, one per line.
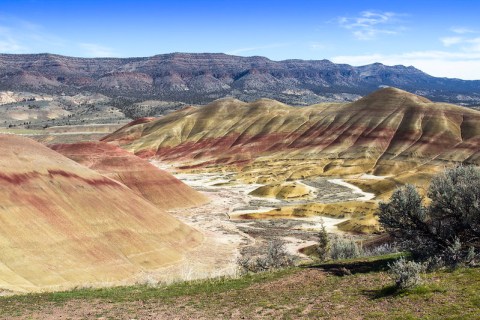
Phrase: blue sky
pixel 441 38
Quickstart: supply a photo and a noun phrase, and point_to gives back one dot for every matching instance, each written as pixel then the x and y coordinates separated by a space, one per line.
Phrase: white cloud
pixel 462 44
pixel 35 32
pixel 96 50
pixel 463 65
pixel 460 60
pixel 449 41
pixel 9 46
pixel 242 50
pixel 369 25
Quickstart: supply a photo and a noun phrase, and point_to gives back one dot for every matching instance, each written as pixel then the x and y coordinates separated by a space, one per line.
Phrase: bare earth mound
pixel 386 139
pixel 155 185
pixel 287 190
pixel 64 225
pixel 387 132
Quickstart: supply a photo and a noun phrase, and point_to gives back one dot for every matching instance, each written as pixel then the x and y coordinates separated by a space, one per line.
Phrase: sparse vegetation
pixel 293 293
pixel 344 248
pixel 448 229
pixel 275 258
pixel 406 274
pixel 336 247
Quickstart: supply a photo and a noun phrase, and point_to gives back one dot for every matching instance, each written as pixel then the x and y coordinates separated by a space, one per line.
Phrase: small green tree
pixel 323 248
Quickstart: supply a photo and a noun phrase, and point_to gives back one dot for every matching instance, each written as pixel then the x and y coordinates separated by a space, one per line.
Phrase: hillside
pixel 64 225
pixel 300 293
pixel 385 133
pixel 202 77
pixel 155 185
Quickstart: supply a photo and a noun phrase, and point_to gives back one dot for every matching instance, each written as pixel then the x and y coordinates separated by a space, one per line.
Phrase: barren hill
pixel 386 132
pixel 155 185
pixel 64 225
pixel 203 77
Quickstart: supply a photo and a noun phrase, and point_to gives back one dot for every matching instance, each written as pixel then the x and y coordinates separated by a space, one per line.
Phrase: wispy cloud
pixel 317 46
pixel 468 42
pixel 8 43
pixel 369 25
pixel 462 30
pixel 20 36
pixel 96 50
pixel 256 48
pixel 465 37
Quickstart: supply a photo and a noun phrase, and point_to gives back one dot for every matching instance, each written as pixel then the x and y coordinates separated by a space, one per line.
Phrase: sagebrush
pixel 406 274
pixel 276 257
pixel 448 229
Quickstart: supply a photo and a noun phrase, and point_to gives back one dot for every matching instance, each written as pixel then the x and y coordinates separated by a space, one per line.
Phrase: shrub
pixel 448 228
pixel 385 248
pixel 406 274
pixel 344 248
pixel 275 258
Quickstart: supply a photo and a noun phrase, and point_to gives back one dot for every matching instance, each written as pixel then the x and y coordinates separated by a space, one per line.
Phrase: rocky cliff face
pixel 200 78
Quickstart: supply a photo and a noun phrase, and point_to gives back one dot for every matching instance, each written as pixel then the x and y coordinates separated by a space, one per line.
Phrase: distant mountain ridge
pixel 203 77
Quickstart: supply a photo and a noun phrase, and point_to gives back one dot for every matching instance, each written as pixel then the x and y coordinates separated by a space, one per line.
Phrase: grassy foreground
pixel 310 292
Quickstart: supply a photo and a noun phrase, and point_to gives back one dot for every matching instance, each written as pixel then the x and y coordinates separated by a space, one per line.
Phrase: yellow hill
pixel 387 132
pixel 286 191
pixel 391 133
pixel 64 225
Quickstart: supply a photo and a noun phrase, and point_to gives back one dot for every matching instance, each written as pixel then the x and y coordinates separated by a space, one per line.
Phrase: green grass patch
pixel 145 292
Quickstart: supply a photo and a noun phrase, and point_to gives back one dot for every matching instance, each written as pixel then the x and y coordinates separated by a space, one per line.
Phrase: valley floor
pixel 313 292
pixel 227 237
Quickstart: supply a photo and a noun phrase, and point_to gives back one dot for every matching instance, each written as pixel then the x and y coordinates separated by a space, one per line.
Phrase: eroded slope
pixel 155 185
pixel 63 225
pixel 382 141
pixel 387 132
